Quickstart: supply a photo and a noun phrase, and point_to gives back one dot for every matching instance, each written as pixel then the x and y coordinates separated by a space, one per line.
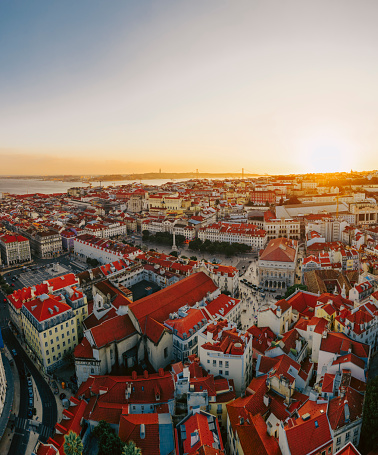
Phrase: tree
pixel 92 262
pixel 293 288
pixel 108 442
pixel 292 200
pixel 173 253
pixel 73 444
pixel 131 449
pixel 369 432
pixel 111 445
pixel 193 258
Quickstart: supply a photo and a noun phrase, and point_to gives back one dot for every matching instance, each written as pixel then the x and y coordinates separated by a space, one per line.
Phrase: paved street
pixel 252 299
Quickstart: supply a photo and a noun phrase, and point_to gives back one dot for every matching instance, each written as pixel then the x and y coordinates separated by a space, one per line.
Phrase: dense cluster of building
pixel 194 381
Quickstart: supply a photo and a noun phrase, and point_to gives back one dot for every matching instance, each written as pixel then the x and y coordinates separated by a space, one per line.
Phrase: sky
pixel 94 87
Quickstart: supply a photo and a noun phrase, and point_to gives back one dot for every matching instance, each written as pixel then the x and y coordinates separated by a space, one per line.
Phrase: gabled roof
pixel 280 250
pixel 114 329
pixel 130 430
pixel 339 343
pixel 349 449
pixel 307 436
pixel 153 310
pixel 345 409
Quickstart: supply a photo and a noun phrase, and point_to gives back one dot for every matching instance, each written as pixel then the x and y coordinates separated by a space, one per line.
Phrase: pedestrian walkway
pixel 22 423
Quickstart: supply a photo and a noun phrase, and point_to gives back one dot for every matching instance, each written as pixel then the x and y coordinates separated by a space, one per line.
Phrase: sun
pixel 327 153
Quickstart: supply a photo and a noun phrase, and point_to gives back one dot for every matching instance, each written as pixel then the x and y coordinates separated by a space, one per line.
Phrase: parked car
pixel 30 413
pixel 14 352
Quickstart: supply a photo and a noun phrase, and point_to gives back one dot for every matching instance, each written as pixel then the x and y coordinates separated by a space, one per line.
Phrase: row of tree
pixel 162 238
pixel 229 249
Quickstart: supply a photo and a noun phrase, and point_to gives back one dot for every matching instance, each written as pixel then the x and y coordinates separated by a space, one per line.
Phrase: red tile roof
pixel 198 423
pixel 280 250
pixel 308 436
pixel 184 324
pixel 349 449
pixel 129 430
pixel 345 409
pixel 115 329
pixel 153 310
pixel 62 281
pixel 83 350
pixel 339 343
pixel 46 306
pixel 8 238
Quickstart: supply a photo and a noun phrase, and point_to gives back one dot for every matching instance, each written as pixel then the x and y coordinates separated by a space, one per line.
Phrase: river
pixel 24 186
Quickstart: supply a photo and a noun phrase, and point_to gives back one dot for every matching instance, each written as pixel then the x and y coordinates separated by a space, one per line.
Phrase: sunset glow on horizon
pixel 91 87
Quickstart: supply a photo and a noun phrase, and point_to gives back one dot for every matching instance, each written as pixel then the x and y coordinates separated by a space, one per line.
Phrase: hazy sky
pixel 89 86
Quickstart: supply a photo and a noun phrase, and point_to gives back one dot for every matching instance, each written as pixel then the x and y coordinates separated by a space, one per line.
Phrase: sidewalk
pixel 63 374
pixel 13 401
pixel 34 423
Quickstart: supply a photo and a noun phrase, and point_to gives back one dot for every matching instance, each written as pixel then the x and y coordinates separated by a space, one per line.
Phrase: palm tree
pixel 131 449
pixel 73 444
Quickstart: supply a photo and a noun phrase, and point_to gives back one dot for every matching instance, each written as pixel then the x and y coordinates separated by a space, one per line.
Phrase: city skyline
pixel 98 89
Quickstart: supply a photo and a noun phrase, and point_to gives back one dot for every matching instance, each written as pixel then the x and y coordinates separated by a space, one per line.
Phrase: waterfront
pixel 30 186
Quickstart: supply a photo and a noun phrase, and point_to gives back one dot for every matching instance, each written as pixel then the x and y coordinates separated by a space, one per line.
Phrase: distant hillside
pixel 171 175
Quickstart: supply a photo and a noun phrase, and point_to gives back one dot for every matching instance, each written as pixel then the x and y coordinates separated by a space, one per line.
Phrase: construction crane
pixel 337 204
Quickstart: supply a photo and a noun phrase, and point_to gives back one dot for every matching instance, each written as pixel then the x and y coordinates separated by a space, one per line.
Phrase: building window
pixel 56 329
pixel 44 335
pixel 165 353
pixel 220 372
pixel 347 436
pixel 226 363
pixel 214 363
pixel 52 349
